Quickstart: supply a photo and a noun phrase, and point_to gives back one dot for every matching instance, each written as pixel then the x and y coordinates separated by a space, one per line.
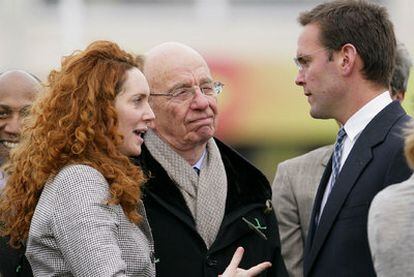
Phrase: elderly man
pixel 203 200
pixel 345 56
pixel 18 90
pixel 297 180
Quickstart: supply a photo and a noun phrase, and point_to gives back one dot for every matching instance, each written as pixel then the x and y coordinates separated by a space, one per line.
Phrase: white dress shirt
pixel 353 128
pixel 199 163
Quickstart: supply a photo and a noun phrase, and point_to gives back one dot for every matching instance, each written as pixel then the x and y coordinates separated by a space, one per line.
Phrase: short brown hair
pixel 364 25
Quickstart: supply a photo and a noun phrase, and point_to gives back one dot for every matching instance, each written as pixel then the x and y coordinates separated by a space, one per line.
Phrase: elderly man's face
pixel 17 93
pixel 185 123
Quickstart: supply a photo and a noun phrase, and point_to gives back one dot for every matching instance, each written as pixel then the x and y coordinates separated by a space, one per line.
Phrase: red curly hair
pixel 74 122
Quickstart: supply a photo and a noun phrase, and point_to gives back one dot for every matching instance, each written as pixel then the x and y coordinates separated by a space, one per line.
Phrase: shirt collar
pixel 359 120
pixel 200 161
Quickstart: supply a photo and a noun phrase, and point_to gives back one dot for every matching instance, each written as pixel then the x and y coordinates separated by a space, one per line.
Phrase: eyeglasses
pixel 302 61
pixel 186 93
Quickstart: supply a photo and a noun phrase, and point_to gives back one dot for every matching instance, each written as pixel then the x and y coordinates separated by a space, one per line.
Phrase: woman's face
pixel 134 112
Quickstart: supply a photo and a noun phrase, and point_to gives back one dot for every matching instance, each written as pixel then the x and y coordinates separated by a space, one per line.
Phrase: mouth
pixel 201 120
pixel 9 144
pixel 140 132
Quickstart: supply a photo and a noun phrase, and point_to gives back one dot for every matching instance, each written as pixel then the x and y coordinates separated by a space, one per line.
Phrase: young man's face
pixel 317 74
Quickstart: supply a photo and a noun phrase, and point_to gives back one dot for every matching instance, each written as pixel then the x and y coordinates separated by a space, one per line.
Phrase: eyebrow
pixel 5 107
pixel 8 108
pixel 301 58
pixel 187 84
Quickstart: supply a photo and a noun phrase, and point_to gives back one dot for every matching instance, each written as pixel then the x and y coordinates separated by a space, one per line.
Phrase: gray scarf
pixel 205 194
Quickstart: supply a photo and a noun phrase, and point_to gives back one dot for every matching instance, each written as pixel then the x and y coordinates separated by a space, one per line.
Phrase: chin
pixel 206 132
pixel 131 152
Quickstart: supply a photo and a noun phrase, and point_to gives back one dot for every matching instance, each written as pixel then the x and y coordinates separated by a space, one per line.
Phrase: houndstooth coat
pixel 73 233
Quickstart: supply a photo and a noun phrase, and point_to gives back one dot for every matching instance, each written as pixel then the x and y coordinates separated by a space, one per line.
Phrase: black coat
pixel 338 246
pixel 181 251
pixel 13 262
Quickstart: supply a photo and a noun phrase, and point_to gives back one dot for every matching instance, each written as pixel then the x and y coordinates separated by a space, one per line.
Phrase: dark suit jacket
pixel 338 246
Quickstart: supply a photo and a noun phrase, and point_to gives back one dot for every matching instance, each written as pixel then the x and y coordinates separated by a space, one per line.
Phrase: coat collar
pixel 246 184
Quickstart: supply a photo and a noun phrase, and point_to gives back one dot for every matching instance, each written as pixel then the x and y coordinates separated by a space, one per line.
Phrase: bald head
pixel 18 90
pixel 163 60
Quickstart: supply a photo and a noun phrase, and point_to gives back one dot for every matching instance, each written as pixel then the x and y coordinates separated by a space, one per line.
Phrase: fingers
pixel 237 257
pixel 257 269
pixel 231 269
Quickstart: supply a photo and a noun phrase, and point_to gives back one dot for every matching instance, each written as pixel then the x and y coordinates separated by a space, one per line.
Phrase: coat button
pixel 152 257
pixel 210 261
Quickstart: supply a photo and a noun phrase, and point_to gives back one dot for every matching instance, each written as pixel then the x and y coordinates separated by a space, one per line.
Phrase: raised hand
pixel 233 269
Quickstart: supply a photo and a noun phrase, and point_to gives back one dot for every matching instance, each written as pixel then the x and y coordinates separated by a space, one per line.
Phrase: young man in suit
pixel 345 55
pixel 297 180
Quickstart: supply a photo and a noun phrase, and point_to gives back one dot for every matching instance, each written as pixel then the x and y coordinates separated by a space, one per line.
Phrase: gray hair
pixel 403 64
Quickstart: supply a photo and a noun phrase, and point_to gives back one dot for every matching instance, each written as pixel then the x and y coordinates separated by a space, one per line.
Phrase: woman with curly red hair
pixel 72 192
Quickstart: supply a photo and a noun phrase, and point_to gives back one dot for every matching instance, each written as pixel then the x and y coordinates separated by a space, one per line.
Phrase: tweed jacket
pixel 74 233
pixel 294 189
pixel 391 230
pixel 179 248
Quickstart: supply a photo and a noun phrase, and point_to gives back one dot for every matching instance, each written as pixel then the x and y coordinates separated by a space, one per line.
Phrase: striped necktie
pixel 336 167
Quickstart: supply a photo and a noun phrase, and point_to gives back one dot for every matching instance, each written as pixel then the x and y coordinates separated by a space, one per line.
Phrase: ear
pixel 348 59
pixel 399 95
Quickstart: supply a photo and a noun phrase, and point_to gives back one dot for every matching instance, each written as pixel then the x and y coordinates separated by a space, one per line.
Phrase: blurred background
pixel 249 45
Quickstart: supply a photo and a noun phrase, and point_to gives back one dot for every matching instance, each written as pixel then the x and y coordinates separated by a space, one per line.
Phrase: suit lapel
pixel 358 159
pixel 326 156
pixel 315 211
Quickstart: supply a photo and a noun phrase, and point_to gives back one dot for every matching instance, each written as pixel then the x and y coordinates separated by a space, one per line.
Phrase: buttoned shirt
pixel 199 163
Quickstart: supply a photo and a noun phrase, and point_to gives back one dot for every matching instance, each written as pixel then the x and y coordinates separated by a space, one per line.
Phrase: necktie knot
pixel 337 155
pixel 196 170
pixel 340 136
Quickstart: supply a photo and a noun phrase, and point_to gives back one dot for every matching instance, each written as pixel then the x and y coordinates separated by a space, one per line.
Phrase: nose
pixel 300 79
pixel 148 114
pixel 13 125
pixel 200 101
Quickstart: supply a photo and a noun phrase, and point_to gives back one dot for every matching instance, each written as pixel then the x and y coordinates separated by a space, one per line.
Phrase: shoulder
pixel 243 173
pixel 233 158
pixel 394 198
pixel 390 217
pixel 316 156
pixel 78 181
pixel 78 172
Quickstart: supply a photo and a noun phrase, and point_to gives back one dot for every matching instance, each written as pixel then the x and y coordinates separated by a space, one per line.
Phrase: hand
pixel 233 270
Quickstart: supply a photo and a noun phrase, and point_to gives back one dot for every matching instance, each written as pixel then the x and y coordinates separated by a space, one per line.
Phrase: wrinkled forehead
pixel 188 75
pixel 180 66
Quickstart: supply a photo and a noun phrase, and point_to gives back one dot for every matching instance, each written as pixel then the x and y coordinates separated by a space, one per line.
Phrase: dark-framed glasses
pixel 184 93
